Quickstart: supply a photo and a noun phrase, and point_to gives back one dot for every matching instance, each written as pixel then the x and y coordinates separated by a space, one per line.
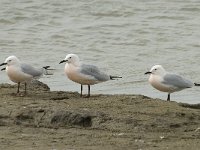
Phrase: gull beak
pixel 148 72
pixel 3 64
pixel 63 61
pixel 3 69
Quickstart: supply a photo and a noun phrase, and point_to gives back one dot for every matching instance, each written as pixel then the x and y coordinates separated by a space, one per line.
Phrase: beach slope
pixel 57 120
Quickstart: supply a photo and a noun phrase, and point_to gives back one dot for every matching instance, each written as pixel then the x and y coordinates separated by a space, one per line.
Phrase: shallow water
pixel 122 37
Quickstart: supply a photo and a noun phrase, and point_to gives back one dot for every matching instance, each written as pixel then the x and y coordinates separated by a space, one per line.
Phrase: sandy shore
pixel 57 120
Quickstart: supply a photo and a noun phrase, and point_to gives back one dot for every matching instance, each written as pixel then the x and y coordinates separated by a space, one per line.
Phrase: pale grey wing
pixel 31 70
pixel 177 81
pixel 93 71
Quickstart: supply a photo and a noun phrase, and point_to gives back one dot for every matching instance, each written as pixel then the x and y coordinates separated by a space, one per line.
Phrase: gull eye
pixel 70 57
pixel 155 69
pixel 9 60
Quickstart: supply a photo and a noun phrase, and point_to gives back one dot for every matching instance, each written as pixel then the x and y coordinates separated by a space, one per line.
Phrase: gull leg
pixel 81 90
pixel 168 97
pixel 88 91
pixel 18 87
pixel 25 87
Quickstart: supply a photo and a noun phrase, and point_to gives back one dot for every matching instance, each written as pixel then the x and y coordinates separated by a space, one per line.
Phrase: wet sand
pixel 57 120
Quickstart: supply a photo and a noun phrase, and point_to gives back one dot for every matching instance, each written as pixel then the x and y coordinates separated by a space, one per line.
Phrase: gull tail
pixel 46 68
pixel 114 77
pixel 196 84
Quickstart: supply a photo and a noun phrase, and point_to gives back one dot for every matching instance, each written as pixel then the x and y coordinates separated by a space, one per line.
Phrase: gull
pixel 168 82
pixel 84 74
pixel 20 72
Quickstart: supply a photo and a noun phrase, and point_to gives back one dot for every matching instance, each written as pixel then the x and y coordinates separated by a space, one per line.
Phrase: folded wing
pixel 177 81
pixel 93 71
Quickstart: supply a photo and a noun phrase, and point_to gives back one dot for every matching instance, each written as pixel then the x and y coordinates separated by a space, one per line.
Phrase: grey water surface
pixel 122 37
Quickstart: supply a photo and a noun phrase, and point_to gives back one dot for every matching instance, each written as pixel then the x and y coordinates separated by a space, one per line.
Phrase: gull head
pixel 71 59
pixel 11 60
pixel 157 70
